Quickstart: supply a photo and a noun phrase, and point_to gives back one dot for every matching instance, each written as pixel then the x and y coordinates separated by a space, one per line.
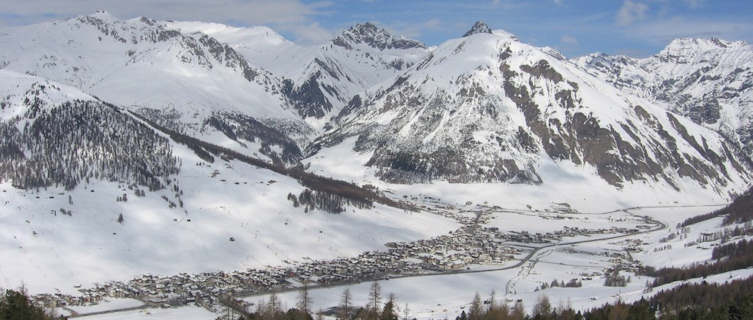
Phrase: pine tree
pixel 518 311
pixel 388 312
pixel 17 305
pixel 543 308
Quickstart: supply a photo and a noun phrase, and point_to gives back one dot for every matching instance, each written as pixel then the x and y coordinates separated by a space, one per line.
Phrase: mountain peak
pixel 702 44
pixel 103 15
pixel 684 50
pixel 374 36
pixel 478 27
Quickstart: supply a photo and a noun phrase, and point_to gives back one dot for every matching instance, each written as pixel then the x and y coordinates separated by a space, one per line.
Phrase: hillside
pixel 489 108
pixel 708 80
pixel 183 162
pixel 93 194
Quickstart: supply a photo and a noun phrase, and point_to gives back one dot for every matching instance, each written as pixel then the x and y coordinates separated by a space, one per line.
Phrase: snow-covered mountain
pixel 187 81
pixel 92 192
pixel 708 80
pixel 55 135
pixel 487 107
pixel 484 107
pixel 321 79
pixel 248 89
pixel 172 122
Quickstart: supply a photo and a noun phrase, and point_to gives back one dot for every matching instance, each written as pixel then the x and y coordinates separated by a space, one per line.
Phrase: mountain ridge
pixel 508 115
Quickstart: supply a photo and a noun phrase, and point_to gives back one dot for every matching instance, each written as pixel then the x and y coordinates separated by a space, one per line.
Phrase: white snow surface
pixel 181 313
pixel 440 296
pixel 55 252
pixel 110 304
pixel 230 199
pixel 687 72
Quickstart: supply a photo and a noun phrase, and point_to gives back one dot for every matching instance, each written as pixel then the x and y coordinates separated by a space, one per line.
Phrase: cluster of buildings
pixel 471 244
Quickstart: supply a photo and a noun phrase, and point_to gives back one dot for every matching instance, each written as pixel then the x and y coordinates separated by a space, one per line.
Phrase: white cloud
pixel 569 40
pixel 294 16
pixel 251 12
pixel 693 4
pixel 664 30
pixel 631 12
pixel 311 33
pixel 559 2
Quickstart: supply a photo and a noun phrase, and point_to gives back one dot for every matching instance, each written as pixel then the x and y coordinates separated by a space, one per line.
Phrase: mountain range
pixel 185 115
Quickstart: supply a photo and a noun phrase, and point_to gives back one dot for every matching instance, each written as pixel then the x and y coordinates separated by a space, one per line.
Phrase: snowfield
pixel 441 296
pixel 54 252
pixel 563 182
pixel 569 172
pixel 182 313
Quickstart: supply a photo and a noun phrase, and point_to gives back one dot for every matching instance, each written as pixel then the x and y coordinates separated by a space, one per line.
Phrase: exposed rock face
pixel 308 98
pixel 708 80
pixel 478 27
pixel 481 108
pixel 243 129
pixel 505 106
pixel 373 36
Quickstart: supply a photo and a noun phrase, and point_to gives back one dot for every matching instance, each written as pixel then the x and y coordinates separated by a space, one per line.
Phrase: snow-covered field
pixel 563 182
pixel 440 296
pixel 55 252
pixel 228 215
pixel 182 313
pixel 106 305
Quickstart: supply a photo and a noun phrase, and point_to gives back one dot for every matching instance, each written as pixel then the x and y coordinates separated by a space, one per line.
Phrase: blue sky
pixel 575 27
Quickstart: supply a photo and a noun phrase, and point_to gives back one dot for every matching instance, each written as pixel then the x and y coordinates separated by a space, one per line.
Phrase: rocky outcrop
pixel 478 27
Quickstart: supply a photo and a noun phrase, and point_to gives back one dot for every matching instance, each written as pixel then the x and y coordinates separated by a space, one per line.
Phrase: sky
pixel 575 27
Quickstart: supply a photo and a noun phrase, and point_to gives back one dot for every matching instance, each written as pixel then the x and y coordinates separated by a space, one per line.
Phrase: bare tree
pixel 375 296
pixel 273 306
pixel 474 312
pixel 304 299
pixel 345 305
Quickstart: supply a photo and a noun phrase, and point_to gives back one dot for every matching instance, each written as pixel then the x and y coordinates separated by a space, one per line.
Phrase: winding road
pixel 528 258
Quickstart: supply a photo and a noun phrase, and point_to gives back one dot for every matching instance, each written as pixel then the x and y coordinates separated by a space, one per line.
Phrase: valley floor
pixel 585 257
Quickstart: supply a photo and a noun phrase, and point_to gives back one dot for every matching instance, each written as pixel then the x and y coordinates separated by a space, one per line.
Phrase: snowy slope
pixel 326 77
pixel 139 62
pixel 90 192
pixel 708 80
pixel 180 79
pixel 66 221
pixel 18 91
pixel 487 107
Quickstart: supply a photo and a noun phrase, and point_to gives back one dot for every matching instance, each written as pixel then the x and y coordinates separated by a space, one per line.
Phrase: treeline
pixel 79 141
pixel 238 126
pixel 729 257
pixel 375 309
pixel 16 305
pixel 740 248
pixel 731 300
pixel 347 190
pixel 739 211
pixel 329 202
